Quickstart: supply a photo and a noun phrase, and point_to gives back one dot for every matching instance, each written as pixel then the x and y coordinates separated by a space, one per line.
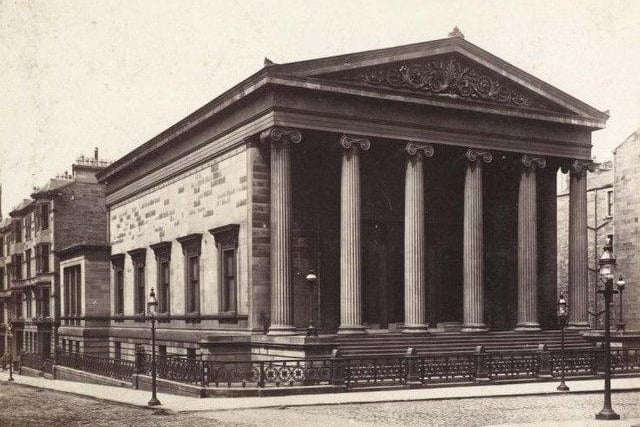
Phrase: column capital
pixel 578 166
pixel 414 148
pixel 531 163
pixel 349 141
pixel 484 156
pixel 279 134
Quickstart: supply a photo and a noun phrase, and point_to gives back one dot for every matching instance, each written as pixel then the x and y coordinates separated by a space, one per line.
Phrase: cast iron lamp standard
pixel 621 284
pixel 10 336
pixel 607 264
pixel 562 319
pixel 312 280
pixel 152 306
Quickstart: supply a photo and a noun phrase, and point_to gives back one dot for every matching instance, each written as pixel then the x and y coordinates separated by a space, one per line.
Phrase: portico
pixel 461 133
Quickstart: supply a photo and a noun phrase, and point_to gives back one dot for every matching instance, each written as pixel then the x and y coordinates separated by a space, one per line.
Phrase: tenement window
pixel 117 261
pixel 138 258
pixel 610 202
pixel 17 230
pixel 28 304
pixel 163 259
pixel 44 216
pixel 27 261
pixel 227 243
pixel 191 250
pixel 27 227
pixel 72 291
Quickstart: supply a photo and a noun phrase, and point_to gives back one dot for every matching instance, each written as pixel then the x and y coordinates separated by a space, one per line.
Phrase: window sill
pixel 118 317
pixel 192 317
pixel 139 318
pixel 163 317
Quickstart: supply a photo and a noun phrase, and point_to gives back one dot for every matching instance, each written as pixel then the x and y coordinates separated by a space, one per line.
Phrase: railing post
pixel 545 370
pixel 337 368
pixel 139 359
pixel 598 359
pixel 481 359
pixel 411 375
pixel 261 378
pixel 205 365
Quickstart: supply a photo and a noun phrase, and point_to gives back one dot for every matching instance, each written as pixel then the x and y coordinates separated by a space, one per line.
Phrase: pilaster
pixel 280 140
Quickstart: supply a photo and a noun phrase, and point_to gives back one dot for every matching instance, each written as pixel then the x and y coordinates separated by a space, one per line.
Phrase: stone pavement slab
pixel 194 404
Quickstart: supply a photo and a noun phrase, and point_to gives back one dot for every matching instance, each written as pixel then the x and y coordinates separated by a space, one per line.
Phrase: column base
pixel 474 327
pixel 527 327
pixel 281 330
pixel 607 414
pixel 415 329
pixel 352 330
pixel 578 326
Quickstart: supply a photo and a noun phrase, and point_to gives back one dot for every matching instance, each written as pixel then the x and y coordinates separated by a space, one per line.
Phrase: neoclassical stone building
pixel 418 182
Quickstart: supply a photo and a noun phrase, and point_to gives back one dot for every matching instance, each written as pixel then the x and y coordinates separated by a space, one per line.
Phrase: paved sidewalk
pixel 193 404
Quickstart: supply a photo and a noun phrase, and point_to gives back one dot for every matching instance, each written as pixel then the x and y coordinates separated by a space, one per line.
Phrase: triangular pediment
pixel 450 71
pixel 449 77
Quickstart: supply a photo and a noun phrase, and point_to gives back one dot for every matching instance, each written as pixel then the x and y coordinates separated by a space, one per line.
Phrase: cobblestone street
pixel 38 407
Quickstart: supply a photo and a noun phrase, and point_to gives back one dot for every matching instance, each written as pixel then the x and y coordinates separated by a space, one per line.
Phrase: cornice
pixel 589 116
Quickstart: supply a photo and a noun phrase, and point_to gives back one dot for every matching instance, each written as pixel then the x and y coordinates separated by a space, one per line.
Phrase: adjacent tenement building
pixel 418 183
pixel 65 218
pixel 626 236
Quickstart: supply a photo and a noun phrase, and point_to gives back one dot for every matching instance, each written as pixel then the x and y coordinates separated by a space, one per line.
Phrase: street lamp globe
pixel 621 283
pixel 607 263
pixel 152 303
pixel 562 307
pixel 311 278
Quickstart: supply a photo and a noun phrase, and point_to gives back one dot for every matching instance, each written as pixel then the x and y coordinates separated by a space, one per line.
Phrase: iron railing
pixel 114 368
pixel 42 363
pixel 354 371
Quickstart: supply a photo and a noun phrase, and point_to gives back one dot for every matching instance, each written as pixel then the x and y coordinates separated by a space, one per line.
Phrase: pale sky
pixel 111 74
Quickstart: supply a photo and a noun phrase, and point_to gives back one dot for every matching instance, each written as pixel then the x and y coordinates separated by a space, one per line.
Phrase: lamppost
pixel 10 336
pixel 621 284
pixel 312 280
pixel 152 306
pixel 607 265
pixel 562 319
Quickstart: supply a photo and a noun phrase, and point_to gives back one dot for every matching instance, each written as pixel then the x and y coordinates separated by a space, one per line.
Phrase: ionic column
pixel 578 267
pixel 415 315
pixel 350 243
pixel 528 245
pixel 281 292
pixel 473 280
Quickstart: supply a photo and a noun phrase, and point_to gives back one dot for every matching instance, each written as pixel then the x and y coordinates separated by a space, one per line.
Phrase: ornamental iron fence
pixel 353 371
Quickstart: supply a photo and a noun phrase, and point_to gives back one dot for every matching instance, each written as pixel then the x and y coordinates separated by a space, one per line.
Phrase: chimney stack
pixel 95 154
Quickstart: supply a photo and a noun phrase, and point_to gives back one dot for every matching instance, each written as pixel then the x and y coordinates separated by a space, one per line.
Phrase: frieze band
pixel 279 134
pixel 349 141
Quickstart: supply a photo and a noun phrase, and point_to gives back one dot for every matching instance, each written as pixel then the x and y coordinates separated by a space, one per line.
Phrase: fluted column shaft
pixel 281 290
pixel 350 239
pixel 528 245
pixel 473 257
pixel 578 267
pixel 415 314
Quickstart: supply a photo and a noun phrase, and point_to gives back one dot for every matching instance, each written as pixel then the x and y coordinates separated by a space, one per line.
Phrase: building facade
pixel 626 236
pixel 67 212
pixel 418 182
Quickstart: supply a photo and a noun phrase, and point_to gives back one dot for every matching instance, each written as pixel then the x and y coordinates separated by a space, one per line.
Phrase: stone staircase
pixel 391 343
